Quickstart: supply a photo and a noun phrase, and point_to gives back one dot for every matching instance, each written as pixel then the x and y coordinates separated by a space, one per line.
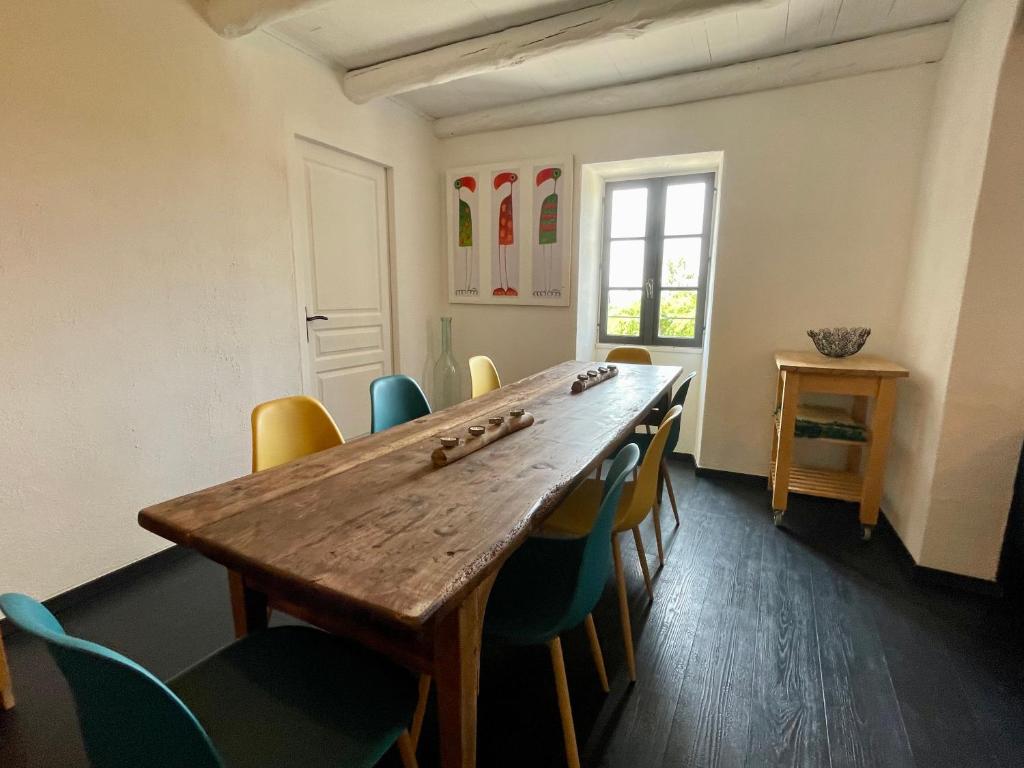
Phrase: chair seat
pixel 298 696
pixel 575 516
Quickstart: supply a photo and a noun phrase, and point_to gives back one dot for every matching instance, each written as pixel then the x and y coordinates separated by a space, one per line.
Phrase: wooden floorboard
pixel 799 646
pixel 711 724
pixel 787 719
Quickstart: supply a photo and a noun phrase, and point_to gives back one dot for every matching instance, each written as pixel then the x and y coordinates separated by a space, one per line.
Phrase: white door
pixel 342 267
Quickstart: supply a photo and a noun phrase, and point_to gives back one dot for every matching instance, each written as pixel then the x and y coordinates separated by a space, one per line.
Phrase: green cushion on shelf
pixel 818 421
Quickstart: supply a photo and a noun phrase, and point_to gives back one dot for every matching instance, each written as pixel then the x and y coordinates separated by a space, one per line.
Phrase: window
pixel 655 271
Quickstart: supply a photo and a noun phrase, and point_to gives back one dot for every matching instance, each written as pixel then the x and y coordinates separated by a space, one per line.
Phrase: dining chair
pixel 395 400
pixel 549 586
pixel 483 375
pixel 575 518
pixel 284 430
pixel 635 355
pixel 285 696
pixel 643 442
pixel 289 428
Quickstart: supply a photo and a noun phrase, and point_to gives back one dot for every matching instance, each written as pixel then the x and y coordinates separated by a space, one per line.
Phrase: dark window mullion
pixel 652 260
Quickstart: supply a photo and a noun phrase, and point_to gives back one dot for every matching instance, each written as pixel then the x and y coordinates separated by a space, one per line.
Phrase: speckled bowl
pixel 839 342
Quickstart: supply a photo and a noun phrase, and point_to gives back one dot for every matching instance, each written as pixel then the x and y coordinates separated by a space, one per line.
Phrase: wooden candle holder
pixel 592 378
pixel 515 421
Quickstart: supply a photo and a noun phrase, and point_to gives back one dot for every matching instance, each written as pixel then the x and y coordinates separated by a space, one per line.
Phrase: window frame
pixel 653 239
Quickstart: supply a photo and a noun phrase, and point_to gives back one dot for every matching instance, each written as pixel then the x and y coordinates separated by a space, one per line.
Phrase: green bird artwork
pixel 547 234
pixel 464 235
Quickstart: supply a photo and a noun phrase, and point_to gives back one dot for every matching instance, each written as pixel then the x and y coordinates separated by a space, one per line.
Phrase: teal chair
pixel 551 585
pixel 289 696
pixel 395 400
pixel 643 441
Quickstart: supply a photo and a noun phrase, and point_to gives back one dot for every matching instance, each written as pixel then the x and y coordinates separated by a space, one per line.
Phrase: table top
pixel 856 365
pixel 372 525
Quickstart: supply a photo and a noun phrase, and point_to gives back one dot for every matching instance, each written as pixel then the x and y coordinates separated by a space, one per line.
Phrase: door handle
pixel 310 318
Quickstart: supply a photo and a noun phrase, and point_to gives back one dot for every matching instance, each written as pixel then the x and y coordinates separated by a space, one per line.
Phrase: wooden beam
pixel 234 18
pixel 513 46
pixel 873 54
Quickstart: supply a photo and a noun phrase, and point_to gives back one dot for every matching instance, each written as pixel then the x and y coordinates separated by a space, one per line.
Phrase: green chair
pixel 549 586
pixel 395 400
pixel 289 696
pixel 643 441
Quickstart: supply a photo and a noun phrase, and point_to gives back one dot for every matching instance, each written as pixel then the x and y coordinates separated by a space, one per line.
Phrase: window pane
pixel 629 212
pixel 626 264
pixel 684 208
pixel 677 313
pixel 624 313
pixel 680 262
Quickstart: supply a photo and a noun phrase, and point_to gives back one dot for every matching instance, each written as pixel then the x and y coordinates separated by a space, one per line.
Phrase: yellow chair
pixel 289 428
pixel 575 518
pixel 635 355
pixel 483 375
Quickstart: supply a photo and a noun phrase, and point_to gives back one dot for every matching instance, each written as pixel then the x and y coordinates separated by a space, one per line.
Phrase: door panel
pixel 340 227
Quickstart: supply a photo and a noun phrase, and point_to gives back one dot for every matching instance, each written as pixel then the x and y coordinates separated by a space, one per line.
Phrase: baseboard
pixel 934 577
pixel 113 580
pixel 724 474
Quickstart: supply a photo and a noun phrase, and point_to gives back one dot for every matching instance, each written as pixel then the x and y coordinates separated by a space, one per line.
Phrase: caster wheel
pixel 777 516
pixel 865 533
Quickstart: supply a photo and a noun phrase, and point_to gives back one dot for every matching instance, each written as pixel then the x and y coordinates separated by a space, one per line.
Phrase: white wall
pixel 953 501
pixel 815 222
pixel 146 263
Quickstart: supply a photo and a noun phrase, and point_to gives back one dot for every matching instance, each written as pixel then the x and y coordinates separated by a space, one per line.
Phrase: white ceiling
pixel 353 33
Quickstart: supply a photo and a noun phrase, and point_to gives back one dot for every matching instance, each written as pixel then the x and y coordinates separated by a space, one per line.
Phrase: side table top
pixel 855 365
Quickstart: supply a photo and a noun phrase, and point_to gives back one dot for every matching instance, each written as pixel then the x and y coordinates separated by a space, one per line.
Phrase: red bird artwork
pixel 506 233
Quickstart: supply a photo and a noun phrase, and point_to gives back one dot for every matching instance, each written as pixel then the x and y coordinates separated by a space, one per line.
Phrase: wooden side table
pixel 866 378
pixel 6 689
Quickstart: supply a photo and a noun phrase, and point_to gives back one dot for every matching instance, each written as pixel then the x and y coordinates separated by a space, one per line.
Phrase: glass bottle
pixel 446 375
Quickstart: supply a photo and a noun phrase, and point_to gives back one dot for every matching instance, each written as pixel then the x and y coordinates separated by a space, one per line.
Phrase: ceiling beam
pixel 921 45
pixel 513 46
pixel 234 18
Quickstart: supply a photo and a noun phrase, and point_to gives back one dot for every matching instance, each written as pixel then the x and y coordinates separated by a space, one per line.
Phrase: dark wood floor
pixel 764 647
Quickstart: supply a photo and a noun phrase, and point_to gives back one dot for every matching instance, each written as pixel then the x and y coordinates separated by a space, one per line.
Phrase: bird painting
pixel 465 233
pixel 547 230
pixel 506 234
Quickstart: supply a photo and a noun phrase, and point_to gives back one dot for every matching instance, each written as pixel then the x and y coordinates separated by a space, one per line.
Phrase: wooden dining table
pixel 369 540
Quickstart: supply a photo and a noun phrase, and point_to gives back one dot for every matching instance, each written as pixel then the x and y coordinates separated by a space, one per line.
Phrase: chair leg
pixel 636 474
pixel 572 755
pixel 407 751
pixel 595 651
pixel 6 689
pixel 643 562
pixel 421 710
pixel 627 627
pixel 656 511
pixel 599 468
pixel 671 490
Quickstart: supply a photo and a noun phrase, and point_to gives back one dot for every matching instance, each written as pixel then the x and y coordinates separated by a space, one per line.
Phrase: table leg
pixel 457 676
pixel 784 451
pixel 854 452
pixel 881 424
pixel 248 607
pixel 6 689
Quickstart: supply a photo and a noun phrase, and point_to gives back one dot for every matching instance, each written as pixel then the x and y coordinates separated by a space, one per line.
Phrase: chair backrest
pixel 680 400
pixel 289 428
pixel 646 490
pixel 395 400
pixel 595 563
pixel 483 375
pixel 127 716
pixel 635 355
